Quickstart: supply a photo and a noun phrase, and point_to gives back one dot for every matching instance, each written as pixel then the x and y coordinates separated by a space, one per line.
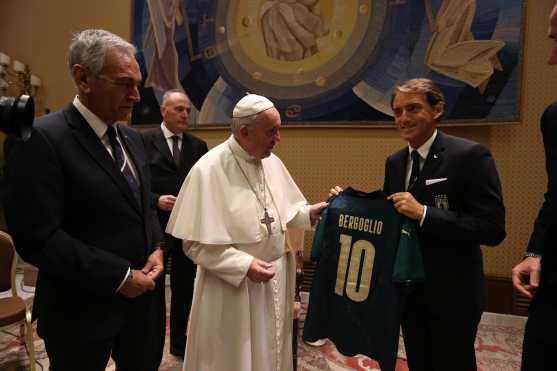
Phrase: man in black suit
pixel 171 153
pixel 79 209
pixel 536 275
pixel 450 186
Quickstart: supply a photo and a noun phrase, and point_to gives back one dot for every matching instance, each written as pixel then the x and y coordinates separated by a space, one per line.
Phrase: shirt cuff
pixel 128 273
pixel 301 220
pixel 161 246
pixel 423 216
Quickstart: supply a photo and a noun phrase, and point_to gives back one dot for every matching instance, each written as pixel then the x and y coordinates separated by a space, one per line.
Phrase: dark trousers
pixel 137 346
pixel 435 343
pixel 182 276
pixel 540 343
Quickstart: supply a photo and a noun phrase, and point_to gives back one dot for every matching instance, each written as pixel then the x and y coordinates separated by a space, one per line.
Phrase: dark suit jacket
pixel 543 239
pixel 167 179
pixel 72 214
pixel 463 211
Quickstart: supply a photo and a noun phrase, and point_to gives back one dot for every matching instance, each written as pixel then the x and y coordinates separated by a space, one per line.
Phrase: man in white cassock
pixel 232 213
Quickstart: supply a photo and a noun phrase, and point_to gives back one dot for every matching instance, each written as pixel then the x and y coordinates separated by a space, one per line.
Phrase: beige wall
pixel 37 32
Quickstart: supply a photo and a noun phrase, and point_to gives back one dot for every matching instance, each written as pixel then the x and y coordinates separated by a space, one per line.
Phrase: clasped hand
pixel 260 271
pixel 526 276
pixel 166 202
pixel 143 280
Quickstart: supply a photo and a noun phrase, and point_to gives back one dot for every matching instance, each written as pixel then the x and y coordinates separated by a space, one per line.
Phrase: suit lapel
pixel 432 163
pixel 87 138
pixel 187 154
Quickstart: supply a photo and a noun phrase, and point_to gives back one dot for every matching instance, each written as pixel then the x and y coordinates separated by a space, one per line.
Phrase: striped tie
pixel 122 163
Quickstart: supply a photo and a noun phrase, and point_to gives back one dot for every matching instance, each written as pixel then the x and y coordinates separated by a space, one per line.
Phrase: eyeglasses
pixel 124 82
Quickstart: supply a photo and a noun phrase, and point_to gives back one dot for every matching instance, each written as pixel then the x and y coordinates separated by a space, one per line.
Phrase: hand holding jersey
pixel 407 205
pixel 403 202
pixel 315 211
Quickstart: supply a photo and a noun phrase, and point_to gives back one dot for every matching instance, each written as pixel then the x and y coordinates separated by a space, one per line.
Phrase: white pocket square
pixel 433 181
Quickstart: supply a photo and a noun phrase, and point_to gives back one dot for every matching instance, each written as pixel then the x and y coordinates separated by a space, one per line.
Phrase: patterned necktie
pixel 122 163
pixel 176 150
pixel 415 173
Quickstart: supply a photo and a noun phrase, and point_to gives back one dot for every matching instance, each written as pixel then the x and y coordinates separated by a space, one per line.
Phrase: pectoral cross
pixel 267 220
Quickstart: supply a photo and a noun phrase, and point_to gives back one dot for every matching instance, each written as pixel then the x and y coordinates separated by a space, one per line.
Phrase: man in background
pixel 79 209
pixel 536 275
pixel 171 153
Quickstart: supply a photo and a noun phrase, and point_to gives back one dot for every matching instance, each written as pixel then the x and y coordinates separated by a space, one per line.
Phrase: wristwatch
pixel 531 255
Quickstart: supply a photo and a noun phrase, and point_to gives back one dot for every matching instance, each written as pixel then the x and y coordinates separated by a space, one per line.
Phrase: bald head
pixel 175 111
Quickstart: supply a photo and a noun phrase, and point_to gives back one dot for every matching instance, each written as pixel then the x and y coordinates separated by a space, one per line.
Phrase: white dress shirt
pixel 99 127
pixel 168 136
pixel 423 151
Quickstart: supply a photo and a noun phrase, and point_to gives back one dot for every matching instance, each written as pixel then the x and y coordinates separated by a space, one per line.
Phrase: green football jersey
pixel 354 300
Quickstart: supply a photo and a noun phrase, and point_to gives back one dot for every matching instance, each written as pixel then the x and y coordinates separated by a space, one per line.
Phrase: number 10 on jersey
pixel 350 259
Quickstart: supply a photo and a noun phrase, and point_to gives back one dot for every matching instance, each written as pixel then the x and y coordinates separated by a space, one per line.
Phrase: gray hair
pixel 89 47
pixel 238 122
pixel 172 91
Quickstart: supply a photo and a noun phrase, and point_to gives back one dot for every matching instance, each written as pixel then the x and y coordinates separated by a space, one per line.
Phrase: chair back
pixel 8 259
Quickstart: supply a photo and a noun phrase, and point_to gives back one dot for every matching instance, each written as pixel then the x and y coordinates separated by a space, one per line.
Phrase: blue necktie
pixel 122 163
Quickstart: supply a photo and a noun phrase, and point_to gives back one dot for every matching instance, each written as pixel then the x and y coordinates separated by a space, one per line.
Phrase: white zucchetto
pixel 250 105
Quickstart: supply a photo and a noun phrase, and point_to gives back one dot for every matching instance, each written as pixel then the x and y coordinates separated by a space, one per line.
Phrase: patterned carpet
pixel 498 348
